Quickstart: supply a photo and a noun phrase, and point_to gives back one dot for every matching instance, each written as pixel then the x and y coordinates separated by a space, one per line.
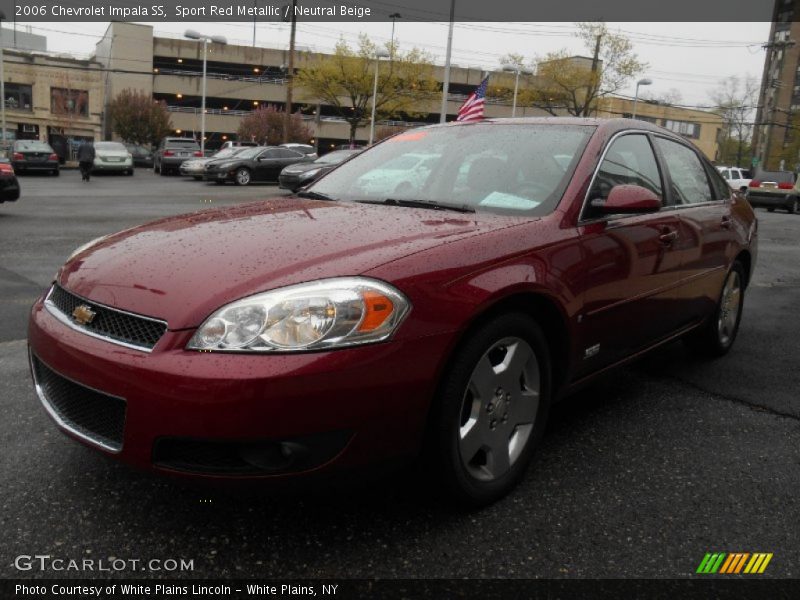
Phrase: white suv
pixel 736 177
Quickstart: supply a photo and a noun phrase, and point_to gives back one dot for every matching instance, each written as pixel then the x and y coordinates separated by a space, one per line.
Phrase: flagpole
pixel 446 83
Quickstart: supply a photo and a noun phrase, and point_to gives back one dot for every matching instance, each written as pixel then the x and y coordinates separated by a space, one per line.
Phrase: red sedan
pixel 338 328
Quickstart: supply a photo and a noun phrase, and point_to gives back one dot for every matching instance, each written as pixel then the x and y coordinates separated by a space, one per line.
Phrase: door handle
pixel 668 236
pixel 725 223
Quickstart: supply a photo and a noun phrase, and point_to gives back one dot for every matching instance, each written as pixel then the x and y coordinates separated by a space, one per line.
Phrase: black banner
pixel 380 10
pixel 401 589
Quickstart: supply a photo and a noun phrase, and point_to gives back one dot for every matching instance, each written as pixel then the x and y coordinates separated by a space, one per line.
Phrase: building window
pixel 69 102
pixel 18 97
pixel 685 128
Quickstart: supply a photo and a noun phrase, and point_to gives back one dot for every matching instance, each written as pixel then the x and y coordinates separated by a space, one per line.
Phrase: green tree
pixel 566 82
pixel 735 101
pixel 345 81
pixel 265 125
pixel 138 119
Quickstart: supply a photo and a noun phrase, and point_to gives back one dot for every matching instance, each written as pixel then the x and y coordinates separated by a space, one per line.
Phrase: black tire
pixel 771 209
pixel 163 171
pixel 473 484
pixel 793 206
pixel 242 176
pixel 156 169
pixel 709 340
pixel 56 173
pixel 129 173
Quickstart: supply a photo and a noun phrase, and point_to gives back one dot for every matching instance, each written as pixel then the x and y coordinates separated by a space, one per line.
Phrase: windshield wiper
pixel 430 204
pixel 312 195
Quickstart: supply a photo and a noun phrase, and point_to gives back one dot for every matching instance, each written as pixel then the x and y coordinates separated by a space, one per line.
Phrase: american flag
pixel 472 109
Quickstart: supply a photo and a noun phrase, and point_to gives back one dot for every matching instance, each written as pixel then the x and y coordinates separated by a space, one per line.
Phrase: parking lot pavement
pixel 638 476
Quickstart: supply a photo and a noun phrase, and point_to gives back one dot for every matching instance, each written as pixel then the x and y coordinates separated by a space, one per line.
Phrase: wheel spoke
pixel 484 379
pixel 499 460
pixel 472 441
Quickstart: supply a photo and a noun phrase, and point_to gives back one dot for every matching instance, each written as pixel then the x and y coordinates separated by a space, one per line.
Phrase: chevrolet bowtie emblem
pixel 83 315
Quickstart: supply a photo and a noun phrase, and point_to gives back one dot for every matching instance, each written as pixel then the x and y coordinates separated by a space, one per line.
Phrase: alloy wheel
pixel 499 408
pixel 729 307
pixel 242 177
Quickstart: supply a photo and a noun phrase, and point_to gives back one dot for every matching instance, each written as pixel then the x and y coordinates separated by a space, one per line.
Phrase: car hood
pixel 305 166
pixel 183 268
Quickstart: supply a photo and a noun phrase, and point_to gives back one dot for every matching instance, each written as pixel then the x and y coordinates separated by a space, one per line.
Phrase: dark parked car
pixel 306 149
pixel 194 167
pixel 775 189
pixel 142 155
pixel 33 155
pixel 172 152
pixel 337 328
pixel 9 186
pixel 296 176
pixel 252 164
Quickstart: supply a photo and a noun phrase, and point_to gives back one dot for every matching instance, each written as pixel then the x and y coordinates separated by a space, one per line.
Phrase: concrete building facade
pixel 702 128
pixel 52 98
pixel 778 114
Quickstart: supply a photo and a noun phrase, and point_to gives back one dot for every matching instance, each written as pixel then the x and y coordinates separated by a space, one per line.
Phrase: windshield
pixel 33 146
pixel 248 153
pixel 493 167
pixel 110 146
pixel 227 152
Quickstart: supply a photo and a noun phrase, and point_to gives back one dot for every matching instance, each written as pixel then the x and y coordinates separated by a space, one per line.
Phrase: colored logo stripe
pixel 734 563
pixel 758 563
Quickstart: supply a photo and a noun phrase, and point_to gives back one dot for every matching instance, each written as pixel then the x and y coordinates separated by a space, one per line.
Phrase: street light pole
pixel 394 16
pixel 446 82
pixel 516 69
pixel 2 83
pixel 194 35
pixel 380 53
pixel 644 81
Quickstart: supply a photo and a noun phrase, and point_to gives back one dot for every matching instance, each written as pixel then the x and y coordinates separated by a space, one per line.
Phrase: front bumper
pixel 218 175
pixel 293 182
pixel 367 403
pixel 188 171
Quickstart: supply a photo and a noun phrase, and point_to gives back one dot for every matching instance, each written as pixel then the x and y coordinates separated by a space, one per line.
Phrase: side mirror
pixel 628 199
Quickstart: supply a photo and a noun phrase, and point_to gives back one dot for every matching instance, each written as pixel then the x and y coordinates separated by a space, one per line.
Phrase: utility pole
pixel 446 83
pixel 595 68
pixel 2 84
pixel 255 6
pixel 287 113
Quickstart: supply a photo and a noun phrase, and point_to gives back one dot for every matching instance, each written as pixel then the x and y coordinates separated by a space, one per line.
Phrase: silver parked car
pixel 194 167
pixel 112 157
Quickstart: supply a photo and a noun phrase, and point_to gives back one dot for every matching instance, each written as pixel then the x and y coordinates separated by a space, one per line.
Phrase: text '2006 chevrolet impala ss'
pixel 441 315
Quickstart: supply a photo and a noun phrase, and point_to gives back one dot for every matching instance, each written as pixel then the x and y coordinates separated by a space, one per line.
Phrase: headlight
pixel 311 173
pixel 330 313
pixel 85 246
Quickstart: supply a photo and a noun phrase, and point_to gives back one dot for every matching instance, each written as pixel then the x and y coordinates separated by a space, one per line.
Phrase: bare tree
pixel 574 83
pixel 735 101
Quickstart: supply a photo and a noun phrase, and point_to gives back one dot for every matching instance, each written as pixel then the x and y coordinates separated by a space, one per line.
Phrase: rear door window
pixel 690 183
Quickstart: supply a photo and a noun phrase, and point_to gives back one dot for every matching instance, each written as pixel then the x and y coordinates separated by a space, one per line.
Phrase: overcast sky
pixel 689 57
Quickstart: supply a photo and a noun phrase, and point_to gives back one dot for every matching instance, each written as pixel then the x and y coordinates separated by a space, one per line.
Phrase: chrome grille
pixel 115 325
pixel 91 415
